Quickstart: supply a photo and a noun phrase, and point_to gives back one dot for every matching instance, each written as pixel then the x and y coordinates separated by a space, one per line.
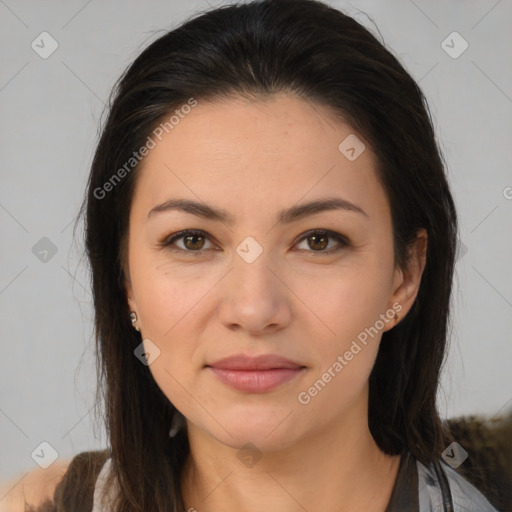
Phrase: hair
pixel 254 51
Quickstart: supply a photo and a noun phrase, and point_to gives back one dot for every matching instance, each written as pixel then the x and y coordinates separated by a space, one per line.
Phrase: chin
pixel 267 431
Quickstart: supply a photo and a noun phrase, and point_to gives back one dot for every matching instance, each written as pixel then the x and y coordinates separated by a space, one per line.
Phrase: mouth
pixel 255 374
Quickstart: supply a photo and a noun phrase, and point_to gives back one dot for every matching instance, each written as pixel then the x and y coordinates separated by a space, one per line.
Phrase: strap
pixel 102 492
pixel 76 489
pixel 404 497
pixel 445 487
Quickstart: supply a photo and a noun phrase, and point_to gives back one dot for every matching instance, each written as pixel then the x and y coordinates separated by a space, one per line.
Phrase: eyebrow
pixel 286 216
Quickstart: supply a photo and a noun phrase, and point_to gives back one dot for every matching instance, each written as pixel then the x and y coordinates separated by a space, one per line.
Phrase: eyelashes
pixel 192 235
pixel 169 243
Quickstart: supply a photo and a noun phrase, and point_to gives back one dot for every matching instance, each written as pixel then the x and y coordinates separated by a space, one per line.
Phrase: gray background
pixel 50 115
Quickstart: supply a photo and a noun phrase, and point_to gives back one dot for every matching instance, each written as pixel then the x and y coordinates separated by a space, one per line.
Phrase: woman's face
pixel 258 282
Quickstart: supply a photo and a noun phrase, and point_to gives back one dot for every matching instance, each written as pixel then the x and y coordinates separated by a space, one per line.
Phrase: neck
pixel 338 465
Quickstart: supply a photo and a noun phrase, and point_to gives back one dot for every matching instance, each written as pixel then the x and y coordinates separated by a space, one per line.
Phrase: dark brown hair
pixel 254 50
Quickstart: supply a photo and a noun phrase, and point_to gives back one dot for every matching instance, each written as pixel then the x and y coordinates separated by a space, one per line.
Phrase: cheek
pixel 345 332
pixel 169 315
pixel 167 296
pixel 168 306
pixel 345 344
pixel 343 302
pixel 171 318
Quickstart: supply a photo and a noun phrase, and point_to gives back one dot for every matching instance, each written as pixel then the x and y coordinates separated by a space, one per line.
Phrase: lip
pixel 255 374
pixel 262 362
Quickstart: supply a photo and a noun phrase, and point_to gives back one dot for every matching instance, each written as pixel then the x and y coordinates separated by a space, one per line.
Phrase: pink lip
pixel 255 374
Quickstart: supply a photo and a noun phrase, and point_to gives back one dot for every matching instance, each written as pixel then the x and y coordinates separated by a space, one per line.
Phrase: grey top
pixel 418 488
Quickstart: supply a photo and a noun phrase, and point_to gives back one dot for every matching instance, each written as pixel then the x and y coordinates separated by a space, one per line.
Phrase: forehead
pixel 245 155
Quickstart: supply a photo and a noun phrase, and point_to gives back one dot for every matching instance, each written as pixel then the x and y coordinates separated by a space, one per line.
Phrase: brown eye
pixel 318 240
pixel 192 242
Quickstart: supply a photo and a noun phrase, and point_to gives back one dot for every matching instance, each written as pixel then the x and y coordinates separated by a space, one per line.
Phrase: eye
pixel 194 241
pixel 319 241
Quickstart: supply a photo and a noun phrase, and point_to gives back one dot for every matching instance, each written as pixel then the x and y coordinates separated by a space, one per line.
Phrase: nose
pixel 255 298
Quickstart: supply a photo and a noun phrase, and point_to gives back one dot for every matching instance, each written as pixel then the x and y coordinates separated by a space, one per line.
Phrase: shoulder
pixel 488 443
pixel 65 485
pixel 465 496
pixel 32 488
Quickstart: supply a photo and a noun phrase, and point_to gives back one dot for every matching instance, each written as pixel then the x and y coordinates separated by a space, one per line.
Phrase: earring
pixel 133 318
pixel 178 421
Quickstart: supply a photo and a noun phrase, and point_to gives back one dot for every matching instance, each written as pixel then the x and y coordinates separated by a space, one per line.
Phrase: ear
pixel 128 286
pixel 129 293
pixel 406 284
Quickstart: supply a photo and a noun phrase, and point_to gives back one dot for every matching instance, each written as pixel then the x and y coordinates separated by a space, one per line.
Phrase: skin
pixel 32 488
pixel 253 159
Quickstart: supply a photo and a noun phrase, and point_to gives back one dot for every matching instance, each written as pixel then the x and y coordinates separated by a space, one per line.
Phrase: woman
pixel 272 238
